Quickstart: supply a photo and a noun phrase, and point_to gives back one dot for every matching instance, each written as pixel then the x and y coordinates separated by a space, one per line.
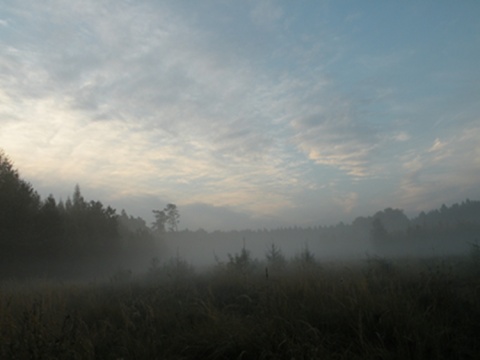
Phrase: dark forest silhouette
pixel 44 237
pixel 76 237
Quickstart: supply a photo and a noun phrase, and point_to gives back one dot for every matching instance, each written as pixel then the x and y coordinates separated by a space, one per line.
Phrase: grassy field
pixel 372 309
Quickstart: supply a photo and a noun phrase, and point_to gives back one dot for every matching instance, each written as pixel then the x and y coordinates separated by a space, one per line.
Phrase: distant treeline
pixel 448 230
pixel 46 237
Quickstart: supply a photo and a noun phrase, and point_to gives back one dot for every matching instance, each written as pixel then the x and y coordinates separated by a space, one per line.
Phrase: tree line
pixel 47 237
pixel 447 230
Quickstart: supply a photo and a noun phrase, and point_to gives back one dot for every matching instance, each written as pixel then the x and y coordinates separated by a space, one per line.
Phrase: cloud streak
pixel 442 171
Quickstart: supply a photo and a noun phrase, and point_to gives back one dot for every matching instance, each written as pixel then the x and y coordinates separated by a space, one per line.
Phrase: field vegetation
pixel 244 308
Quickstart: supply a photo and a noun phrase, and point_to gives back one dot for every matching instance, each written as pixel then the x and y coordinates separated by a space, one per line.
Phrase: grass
pixel 378 309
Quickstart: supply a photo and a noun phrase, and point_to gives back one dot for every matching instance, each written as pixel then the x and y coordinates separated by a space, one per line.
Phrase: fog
pixel 205 249
pixel 387 233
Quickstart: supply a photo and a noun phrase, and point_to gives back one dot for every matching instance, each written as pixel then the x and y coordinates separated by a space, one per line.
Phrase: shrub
pixel 241 263
pixel 276 262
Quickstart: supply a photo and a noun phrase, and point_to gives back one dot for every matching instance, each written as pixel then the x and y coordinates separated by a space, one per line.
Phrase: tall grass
pixel 377 309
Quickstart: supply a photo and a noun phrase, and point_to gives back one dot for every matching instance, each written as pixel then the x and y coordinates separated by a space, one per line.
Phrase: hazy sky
pixel 244 113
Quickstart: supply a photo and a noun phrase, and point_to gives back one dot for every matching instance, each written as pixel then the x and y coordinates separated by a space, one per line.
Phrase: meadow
pixel 242 308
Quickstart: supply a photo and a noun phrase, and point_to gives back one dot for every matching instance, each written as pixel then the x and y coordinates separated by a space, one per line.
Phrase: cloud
pixel 401 136
pixel 197 215
pixel 266 13
pixel 332 136
pixel 437 146
pixel 347 201
pixel 443 172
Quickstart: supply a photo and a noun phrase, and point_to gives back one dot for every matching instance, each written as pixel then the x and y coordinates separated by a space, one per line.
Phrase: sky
pixel 245 114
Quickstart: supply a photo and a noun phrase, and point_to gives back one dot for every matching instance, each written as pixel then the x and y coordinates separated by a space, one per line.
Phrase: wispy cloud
pixel 266 13
pixel 347 201
pixel 443 170
pixel 332 136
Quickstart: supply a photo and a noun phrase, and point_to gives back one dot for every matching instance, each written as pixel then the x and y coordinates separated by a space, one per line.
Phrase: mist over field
pixel 387 233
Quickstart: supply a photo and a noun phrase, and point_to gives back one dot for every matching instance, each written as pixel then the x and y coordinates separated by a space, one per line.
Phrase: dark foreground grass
pixel 381 310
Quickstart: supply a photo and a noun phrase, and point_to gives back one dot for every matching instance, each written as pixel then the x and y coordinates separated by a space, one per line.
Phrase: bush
pixel 305 261
pixel 241 263
pixel 276 262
